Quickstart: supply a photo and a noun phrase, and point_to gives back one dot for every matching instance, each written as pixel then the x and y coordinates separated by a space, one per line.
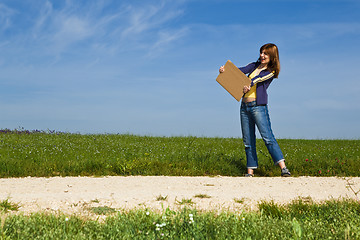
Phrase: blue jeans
pixel 251 115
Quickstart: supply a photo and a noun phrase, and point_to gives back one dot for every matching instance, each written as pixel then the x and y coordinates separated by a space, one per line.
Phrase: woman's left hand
pixel 246 89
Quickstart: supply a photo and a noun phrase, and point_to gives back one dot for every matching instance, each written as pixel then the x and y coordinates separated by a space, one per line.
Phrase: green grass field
pixel 298 220
pixel 45 154
pixel 40 154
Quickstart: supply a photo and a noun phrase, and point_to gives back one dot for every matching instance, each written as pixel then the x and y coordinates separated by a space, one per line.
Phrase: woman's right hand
pixel 222 69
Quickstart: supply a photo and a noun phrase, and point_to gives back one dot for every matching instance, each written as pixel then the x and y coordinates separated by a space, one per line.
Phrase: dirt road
pixel 75 194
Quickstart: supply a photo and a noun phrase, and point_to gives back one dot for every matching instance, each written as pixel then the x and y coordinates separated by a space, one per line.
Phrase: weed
pixel 349 185
pixel 103 210
pixel 6 206
pixel 209 185
pixel 270 209
pixel 161 198
pixel 185 201
pixel 239 200
pixel 202 196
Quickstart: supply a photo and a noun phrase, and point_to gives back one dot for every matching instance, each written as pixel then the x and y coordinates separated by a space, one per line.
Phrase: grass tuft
pixel 6 206
pixel 202 196
pixel 102 210
pixel 185 201
pixel 161 198
pixel 239 200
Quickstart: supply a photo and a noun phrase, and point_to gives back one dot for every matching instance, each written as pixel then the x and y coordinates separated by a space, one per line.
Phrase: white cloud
pixel 71 29
pixel 148 17
pixel 164 39
pixel 44 16
pixel 5 16
pixel 92 28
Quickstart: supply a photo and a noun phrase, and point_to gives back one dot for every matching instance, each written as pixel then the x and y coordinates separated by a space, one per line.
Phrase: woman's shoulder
pixel 267 74
pixel 249 67
pixel 253 64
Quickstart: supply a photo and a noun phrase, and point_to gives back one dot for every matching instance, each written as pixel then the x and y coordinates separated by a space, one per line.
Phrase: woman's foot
pixel 250 172
pixel 285 172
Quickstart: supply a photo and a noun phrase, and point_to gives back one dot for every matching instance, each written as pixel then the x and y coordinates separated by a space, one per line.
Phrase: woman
pixel 254 109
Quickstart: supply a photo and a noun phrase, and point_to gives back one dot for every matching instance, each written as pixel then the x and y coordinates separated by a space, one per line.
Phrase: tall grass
pixel 298 220
pixel 39 153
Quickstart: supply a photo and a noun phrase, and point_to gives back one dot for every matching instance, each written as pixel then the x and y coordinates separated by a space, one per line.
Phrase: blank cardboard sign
pixel 233 80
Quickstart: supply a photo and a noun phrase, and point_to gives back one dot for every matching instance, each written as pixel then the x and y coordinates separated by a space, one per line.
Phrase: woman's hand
pixel 246 89
pixel 222 69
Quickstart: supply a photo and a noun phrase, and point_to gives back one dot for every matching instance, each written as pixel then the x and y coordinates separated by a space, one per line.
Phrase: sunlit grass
pixel 298 220
pixel 37 153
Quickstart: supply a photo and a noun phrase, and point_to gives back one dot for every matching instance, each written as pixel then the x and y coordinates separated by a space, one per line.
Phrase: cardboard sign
pixel 233 80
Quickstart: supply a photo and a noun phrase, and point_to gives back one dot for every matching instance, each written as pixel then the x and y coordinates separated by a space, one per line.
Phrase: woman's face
pixel 264 58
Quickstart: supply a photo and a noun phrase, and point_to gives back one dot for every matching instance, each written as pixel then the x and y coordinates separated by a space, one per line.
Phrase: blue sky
pixel 149 67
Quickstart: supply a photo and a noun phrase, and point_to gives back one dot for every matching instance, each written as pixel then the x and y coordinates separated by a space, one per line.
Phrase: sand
pixel 75 195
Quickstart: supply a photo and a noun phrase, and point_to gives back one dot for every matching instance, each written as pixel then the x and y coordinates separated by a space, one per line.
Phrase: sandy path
pixel 75 194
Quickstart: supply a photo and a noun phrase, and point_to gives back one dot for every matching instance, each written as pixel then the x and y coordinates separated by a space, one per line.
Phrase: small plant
pixel 202 196
pixel 6 206
pixel 185 201
pixel 239 200
pixel 103 210
pixel 349 186
pixel 306 200
pixel 209 185
pixel 161 198
pixel 270 209
pixel 95 201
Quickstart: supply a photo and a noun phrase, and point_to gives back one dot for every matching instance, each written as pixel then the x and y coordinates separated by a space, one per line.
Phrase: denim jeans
pixel 251 115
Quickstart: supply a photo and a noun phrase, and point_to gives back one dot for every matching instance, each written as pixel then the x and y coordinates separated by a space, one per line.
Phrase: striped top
pixel 262 82
pixel 252 92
